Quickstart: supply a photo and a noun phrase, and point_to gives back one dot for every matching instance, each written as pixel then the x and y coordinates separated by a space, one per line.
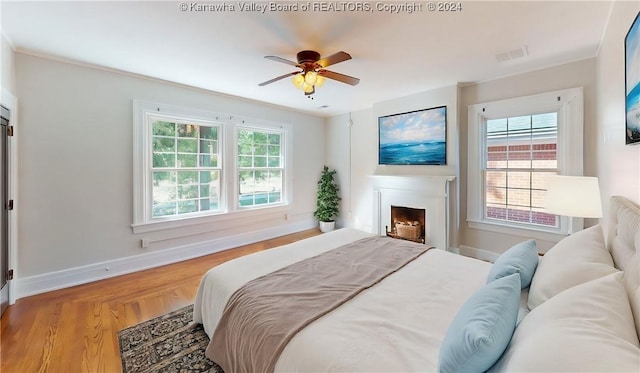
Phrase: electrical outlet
pixel 144 243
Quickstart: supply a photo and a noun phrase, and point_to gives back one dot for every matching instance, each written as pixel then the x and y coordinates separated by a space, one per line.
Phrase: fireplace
pixel 433 195
pixel 407 223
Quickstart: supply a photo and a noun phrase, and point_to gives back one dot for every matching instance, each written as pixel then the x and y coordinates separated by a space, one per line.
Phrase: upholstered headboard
pixel 623 231
pixel 623 241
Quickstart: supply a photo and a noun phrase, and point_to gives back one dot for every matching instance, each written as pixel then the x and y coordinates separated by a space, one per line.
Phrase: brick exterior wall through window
pixel 512 193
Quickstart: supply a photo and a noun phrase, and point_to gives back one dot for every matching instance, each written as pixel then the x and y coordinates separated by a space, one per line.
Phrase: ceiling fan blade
pixel 339 77
pixel 334 58
pixel 280 59
pixel 278 78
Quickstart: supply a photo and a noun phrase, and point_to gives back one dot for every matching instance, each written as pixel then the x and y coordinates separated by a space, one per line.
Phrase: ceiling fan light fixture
pixel 313 73
pixel 298 80
pixel 307 88
pixel 310 77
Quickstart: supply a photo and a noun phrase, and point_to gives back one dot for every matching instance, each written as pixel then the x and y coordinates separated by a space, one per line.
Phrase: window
pixel 185 168
pixel 520 151
pixel 513 145
pixel 260 167
pixel 186 163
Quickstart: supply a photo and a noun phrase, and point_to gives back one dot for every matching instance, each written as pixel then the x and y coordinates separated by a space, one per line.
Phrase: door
pixel 4 210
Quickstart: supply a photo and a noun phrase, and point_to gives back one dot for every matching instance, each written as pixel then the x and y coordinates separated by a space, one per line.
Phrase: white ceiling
pixel 394 55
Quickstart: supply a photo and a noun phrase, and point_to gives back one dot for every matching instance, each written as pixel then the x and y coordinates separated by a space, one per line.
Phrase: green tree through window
pixel 185 171
pixel 260 167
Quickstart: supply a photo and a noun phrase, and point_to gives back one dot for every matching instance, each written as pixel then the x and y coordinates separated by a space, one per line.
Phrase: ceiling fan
pixel 313 73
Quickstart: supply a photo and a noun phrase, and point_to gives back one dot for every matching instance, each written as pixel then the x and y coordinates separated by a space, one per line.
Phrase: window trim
pixel 569 106
pixel 228 215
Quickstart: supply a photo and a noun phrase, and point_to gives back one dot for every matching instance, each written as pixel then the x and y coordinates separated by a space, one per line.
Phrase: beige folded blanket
pixel 261 317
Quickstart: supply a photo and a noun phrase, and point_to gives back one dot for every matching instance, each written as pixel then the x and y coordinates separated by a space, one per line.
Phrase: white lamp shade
pixel 577 196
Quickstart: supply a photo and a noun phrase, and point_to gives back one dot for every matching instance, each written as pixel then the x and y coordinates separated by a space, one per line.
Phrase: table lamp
pixel 575 196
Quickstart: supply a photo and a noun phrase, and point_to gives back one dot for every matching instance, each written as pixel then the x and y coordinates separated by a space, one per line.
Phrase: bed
pixel 577 311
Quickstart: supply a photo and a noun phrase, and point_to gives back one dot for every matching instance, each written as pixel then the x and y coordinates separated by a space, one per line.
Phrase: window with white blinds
pixel 512 145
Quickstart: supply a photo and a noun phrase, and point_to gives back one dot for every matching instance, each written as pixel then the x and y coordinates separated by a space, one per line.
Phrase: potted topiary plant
pixel 327 200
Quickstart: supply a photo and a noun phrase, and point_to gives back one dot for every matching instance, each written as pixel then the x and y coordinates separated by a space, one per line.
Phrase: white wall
pixel 353 151
pixel 577 74
pixel 7 65
pixel 349 151
pixel 618 165
pixel 75 165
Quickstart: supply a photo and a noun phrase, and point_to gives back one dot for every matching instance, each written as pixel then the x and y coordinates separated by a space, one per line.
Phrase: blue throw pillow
pixel 521 258
pixel 482 328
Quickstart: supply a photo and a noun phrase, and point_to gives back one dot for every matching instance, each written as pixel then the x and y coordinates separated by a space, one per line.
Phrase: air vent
pixel 512 54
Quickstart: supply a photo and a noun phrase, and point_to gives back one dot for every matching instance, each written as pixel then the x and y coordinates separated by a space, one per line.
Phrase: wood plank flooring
pixel 75 329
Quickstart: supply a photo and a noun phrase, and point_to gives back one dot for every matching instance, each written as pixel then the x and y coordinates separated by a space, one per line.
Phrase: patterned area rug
pixel 168 343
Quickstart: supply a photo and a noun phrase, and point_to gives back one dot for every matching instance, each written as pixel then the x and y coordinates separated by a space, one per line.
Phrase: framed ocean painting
pixel 413 138
pixel 632 82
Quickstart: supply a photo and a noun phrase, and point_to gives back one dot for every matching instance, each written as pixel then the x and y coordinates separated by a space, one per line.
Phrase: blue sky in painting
pixel 415 127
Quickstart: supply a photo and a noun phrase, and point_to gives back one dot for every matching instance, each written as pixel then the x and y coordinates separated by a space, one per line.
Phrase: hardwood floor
pixel 75 329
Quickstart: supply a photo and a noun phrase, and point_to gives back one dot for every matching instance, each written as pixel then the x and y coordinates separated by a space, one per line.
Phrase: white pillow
pixel 632 283
pixel 579 258
pixel 588 328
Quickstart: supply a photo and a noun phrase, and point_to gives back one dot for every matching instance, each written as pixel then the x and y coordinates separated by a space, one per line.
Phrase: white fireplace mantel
pixel 432 193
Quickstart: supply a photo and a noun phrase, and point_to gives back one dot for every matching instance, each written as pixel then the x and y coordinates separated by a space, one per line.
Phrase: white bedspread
pixel 398 325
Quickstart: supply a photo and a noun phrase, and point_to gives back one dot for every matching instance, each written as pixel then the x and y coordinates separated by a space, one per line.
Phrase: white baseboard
pixel 473 252
pixel 42 283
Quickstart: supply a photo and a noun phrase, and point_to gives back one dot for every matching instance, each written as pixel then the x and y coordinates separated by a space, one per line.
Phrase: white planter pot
pixel 327 226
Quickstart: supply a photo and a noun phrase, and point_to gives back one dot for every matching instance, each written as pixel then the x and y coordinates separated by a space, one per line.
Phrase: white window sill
pixel 529 232
pixel 218 221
